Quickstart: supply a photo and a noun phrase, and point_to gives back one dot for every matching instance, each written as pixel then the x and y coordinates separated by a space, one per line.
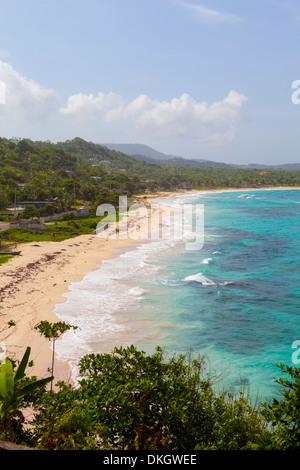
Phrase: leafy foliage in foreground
pixel 285 414
pixel 172 397
pixel 130 400
pixel 13 389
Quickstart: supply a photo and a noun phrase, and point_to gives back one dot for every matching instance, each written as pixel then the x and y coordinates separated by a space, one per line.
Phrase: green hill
pixel 54 171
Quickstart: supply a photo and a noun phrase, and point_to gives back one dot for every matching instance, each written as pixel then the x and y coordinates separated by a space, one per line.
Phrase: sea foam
pixel 92 304
pixel 201 279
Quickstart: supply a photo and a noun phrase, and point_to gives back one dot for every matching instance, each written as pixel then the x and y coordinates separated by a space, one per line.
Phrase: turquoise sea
pixel 236 299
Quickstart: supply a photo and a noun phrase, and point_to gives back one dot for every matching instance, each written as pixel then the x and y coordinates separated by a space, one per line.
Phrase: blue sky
pixel 209 79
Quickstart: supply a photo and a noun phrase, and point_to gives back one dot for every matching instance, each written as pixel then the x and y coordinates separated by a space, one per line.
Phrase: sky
pixel 216 79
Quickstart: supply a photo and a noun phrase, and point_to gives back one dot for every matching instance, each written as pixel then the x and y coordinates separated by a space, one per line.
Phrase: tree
pixel 237 425
pixel 62 423
pixel 128 400
pixel 284 414
pixel 53 331
pixel 29 212
pixel 127 389
pixel 3 198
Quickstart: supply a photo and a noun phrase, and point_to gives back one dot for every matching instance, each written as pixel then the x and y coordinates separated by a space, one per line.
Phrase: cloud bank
pixel 24 100
pixel 25 104
pixel 86 107
pixel 181 117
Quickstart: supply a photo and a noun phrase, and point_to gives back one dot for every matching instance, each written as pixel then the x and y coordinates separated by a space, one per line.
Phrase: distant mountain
pixel 284 166
pixel 288 166
pixel 144 152
pixel 140 150
pixel 128 155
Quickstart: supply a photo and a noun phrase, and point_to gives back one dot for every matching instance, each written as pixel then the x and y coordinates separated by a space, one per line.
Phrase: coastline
pixel 32 284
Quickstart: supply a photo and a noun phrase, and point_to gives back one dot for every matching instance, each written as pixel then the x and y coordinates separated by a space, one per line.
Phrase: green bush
pixel 128 400
pixel 284 414
pixel 134 401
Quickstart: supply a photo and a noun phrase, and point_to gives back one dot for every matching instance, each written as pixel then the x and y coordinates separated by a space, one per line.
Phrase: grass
pixel 58 231
pixel 4 259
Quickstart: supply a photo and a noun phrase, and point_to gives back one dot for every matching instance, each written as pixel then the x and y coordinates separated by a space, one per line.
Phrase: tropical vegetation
pixel 35 171
pixel 128 400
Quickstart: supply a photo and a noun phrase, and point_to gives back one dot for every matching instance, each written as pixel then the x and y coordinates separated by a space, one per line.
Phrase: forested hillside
pixel 46 171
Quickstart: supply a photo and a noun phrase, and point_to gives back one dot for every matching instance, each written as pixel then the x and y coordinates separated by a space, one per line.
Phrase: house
pixel 22 204
pixel 97 178
pixel 11 211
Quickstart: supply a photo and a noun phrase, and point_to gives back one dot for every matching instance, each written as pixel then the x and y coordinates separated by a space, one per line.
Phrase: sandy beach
pixel 31 285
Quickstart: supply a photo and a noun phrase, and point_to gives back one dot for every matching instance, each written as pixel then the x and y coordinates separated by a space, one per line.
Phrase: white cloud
pixel 209 15
pixel 185 117
pixel 134 108
pixel 86 107
pixel 182 117
pixel 25 106
pixel 25 100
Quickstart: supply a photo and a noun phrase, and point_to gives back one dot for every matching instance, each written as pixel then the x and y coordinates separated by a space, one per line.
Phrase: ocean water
pixel 234 299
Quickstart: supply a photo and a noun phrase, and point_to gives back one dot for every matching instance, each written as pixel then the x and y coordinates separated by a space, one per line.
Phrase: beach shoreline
pixel 31 285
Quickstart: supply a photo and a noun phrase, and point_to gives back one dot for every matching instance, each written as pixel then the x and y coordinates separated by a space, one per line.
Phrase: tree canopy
pixel 45 171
